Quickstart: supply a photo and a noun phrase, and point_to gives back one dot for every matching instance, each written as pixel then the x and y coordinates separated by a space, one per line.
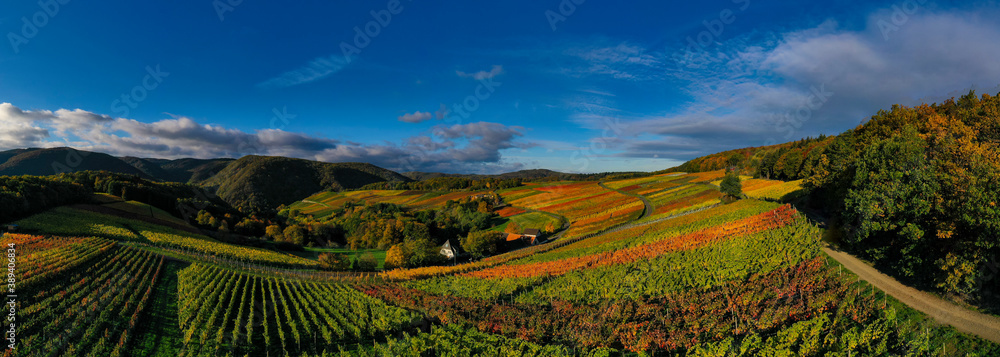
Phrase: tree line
pixel 913 189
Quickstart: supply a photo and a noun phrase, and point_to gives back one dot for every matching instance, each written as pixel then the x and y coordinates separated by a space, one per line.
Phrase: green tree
pixel 366 262
pixel 482 243
pixel 423 252
pixel 295 234
pixel 891 201
pixel 335 261
pixel 203 217
pixel 731 184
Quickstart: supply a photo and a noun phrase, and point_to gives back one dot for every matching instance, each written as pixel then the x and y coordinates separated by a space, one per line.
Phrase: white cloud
pixel 474 147
pixel 481 75
pixel 759 89
pixel 316 69
pixel 624 61
pixel 416 117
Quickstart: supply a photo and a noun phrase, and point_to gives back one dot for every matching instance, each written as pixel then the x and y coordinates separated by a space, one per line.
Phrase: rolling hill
pixel 52 161
pixel 254 182
pixel 257 183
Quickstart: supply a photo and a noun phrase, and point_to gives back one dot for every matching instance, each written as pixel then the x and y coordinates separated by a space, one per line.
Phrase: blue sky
pixel 473 87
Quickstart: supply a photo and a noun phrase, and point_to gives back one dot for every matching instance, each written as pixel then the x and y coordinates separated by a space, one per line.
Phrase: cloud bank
pixel 764 88
pixel 474 147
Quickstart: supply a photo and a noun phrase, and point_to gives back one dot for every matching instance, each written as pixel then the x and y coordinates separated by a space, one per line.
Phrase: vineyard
pixel 699 277
pixel 769 220
pixel 764 189
pixel 81 296
pixel 174 239
pixel 588 207
pixel 323 204
pixel 775 192
pixel 65 221
pixel 227 312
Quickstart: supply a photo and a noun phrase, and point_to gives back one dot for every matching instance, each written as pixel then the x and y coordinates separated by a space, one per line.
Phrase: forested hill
pixel 915 190
pixel 51 161
pixel 530 174
pixel 41 162
pixel 258 183
pixel 253 183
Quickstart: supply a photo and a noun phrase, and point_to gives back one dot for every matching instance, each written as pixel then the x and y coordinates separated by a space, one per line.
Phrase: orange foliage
pixel 510 211
pixel 776 218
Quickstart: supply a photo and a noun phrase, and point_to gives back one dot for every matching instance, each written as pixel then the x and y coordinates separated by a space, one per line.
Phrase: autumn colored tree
pixel 274 233
pixel 397 257
pixel 294 234
pixel 513 227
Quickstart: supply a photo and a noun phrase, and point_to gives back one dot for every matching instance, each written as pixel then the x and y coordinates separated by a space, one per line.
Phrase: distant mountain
pixel 532 174
pixel 147 166
pixel 6 155
pixel 256 183
pixel 43 162
pixel 523 174
pixel 193 170
pixel 420 176
pixel 252 182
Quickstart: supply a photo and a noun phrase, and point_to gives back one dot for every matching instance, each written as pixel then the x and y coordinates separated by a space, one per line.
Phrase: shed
pixel 532 235
pixel 12 228
pixel 450 250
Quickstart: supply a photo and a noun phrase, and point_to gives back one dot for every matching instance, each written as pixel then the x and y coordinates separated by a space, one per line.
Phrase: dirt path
pixel 964 320
pixel 649 205
pixel 317 203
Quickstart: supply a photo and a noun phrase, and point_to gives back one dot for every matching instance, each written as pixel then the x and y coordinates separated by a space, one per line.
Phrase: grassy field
pixel 324 204
pixel 159 333
pixel 312 253
pixel 537 220
pixel 145 210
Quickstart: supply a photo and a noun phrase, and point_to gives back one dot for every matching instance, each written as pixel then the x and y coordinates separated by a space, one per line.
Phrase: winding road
pixel 649 205
pixel 964 320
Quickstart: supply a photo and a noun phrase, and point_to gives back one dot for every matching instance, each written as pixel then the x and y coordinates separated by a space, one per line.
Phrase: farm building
pixel 12 228
pixel 450 250
pixel 530 236
pixel 533 236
